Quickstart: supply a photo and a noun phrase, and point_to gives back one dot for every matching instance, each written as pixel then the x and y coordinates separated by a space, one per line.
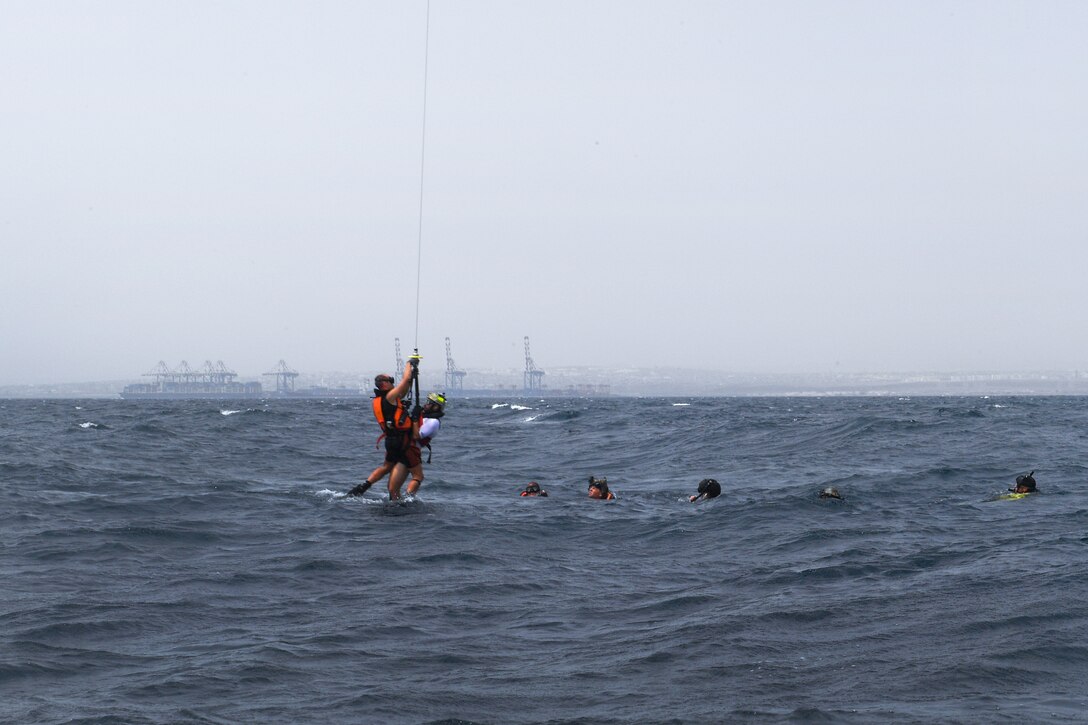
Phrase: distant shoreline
pixel 690 384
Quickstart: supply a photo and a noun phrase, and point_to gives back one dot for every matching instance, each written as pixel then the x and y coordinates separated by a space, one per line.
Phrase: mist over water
pixel 196 561
pixel 734 186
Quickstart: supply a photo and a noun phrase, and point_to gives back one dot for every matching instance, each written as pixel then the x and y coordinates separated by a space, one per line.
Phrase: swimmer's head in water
pixel 533 487
pixel 598 487
pixel 706 484
pixel 1025 484
pixel 830 492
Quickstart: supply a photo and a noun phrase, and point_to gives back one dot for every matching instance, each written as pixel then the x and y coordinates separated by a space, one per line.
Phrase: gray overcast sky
pixel 746 186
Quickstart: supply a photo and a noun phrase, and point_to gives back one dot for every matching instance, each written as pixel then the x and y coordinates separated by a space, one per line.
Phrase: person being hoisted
pixel 402 432
pixel 428 423
pixel 398 430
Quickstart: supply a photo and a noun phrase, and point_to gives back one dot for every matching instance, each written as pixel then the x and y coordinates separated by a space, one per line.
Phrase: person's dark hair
pixel 1027 481
pixel 706 484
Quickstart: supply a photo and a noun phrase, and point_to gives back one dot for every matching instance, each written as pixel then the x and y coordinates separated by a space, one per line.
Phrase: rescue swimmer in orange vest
pixel 533 489
pixel 598 488
pixel 399 431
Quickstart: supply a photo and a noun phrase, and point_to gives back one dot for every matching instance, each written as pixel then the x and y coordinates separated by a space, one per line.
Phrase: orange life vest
pixel 393 419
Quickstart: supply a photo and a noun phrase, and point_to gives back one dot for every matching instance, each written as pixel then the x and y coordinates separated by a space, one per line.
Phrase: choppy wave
pixel 200 563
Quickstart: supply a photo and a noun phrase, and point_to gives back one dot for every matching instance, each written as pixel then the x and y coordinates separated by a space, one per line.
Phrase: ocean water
pixel 165 562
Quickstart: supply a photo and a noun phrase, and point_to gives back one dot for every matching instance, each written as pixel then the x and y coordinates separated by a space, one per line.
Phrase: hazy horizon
pixel 779 187
pixel 433 378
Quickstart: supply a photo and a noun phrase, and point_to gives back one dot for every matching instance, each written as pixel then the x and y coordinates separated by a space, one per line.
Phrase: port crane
pixel 208 375
pixel 533 377
pixel 285 377
pixel 161 372
pixel 455 379
pixel 217 374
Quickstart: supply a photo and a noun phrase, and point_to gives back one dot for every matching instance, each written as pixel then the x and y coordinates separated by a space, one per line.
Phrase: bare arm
pixel 402 387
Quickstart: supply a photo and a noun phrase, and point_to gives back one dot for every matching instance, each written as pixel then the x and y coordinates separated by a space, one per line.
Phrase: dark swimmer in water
pixel 533 489
pixel 831 492
pixel 1025 484
pixel 598 488
pixel 708 488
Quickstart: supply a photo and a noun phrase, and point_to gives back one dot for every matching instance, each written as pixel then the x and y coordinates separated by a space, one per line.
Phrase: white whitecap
pixel 334 495
pixel 498 405
pixel 680 405
pixel 229 412
pixel 342 495
pixel 531 418
pixel 520 407
pixel 88 424
pixel 79 407
pixel 998 405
